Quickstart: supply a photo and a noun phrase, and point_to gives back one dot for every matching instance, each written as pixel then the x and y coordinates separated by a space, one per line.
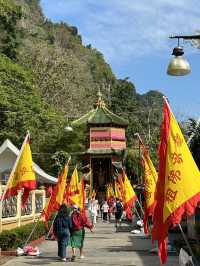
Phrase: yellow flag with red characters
pixel 79 198
pixel 129 197
pixel 74 183
pixel 150 180
pixel 178 185
pixel 109 192
pixel 57 196
pixel 22 175
pixel 118 193
pixel 129 192
pixel 62 182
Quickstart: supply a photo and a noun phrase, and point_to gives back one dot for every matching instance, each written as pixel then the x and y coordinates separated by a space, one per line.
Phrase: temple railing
pixel 12 214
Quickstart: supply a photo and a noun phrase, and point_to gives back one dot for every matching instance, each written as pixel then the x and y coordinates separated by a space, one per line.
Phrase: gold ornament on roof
pixel 100 101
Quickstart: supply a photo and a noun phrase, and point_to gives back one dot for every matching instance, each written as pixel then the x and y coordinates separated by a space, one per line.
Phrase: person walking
pixel 118 212
pixel 79 222
pixel 94 210
pixel 105 209
pixel 62 226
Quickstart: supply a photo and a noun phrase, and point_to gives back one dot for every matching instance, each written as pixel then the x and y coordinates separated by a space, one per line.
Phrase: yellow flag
pixel 150 180
pixel 79 198
pixel 62 182
pixel 109 192
pixel 118 193
pixel 182 176
pixel 178 185
pixel 129 193
pixel 22 175
pixel 74 183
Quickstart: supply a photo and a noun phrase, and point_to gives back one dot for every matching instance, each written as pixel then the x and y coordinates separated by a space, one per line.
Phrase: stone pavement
pixel 103 247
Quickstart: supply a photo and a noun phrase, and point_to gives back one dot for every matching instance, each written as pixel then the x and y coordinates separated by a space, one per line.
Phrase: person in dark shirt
pixel 61 228
pixel 79 222
pixel 118 212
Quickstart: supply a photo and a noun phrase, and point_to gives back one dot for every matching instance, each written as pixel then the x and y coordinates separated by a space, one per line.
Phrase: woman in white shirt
pixel 94 210
pixel 105 208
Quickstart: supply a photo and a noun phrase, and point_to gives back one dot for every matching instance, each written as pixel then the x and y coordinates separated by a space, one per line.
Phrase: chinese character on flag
pixel 178 185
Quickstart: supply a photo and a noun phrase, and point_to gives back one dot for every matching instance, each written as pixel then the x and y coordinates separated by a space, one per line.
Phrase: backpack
pixel 119 206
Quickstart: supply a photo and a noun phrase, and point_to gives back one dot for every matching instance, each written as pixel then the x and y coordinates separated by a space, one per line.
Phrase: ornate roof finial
pixel 100 101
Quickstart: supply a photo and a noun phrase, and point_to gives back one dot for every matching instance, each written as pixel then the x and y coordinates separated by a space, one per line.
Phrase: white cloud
pixel 128 28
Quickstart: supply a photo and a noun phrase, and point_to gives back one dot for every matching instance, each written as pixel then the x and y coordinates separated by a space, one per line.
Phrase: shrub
pixel 11 239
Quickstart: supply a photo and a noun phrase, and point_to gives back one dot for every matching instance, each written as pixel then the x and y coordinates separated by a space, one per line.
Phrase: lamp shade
pixel 178 66
pixel 68 128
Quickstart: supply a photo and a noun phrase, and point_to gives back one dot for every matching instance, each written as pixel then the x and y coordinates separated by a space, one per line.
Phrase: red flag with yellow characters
pixel 178 185
pixel 150 180
pixel 22 175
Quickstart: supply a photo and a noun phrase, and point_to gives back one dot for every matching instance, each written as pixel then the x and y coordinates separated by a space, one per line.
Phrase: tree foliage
pixel 9 37
pixel 55 78
pixel 193 132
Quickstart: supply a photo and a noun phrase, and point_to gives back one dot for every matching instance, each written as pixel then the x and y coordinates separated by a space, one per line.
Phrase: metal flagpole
pixel 140 207
pixel 137 213
pixel 188 244
pixel 51 226
pixel 33 230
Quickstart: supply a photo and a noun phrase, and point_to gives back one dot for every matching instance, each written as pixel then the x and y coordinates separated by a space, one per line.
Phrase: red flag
pixel 178 185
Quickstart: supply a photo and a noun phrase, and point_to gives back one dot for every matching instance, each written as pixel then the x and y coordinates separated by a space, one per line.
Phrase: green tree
pixel 9 37
pixel 193 132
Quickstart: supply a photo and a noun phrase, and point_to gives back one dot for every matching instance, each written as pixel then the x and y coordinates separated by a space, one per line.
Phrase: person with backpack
pixel 62 226
pixel 118 212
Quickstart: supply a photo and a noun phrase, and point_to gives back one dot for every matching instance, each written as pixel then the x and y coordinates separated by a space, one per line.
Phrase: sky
pixel 133 37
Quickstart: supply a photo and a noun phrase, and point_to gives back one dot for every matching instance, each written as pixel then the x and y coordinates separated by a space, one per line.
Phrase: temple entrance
pixel 102 174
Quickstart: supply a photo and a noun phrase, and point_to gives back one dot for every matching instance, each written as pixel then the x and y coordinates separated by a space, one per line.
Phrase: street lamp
pixel 179 66
pixel 68 128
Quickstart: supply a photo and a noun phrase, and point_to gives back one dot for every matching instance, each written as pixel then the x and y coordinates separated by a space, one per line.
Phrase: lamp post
pixel 179 66
pixel 68 128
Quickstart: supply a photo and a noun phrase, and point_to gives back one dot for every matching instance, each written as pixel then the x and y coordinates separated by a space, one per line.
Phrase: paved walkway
pixel 103 247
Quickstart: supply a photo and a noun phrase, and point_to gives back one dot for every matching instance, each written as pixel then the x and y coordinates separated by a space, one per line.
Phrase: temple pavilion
pixel 106 144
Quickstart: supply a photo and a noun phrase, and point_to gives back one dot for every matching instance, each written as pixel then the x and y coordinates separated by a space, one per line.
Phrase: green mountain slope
pixel 52 76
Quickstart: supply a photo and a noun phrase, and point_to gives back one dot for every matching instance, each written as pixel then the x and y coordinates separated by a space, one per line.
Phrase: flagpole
pixel 137 213
pixel 167 103
pixel 187 243
pixel 14 167
pixel 33 230
pixel 140 207
pixel 51 226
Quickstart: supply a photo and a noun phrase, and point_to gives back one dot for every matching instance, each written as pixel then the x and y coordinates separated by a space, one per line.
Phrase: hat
pixel 75 207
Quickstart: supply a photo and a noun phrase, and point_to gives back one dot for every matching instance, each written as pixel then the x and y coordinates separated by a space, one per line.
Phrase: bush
pixel 11 239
